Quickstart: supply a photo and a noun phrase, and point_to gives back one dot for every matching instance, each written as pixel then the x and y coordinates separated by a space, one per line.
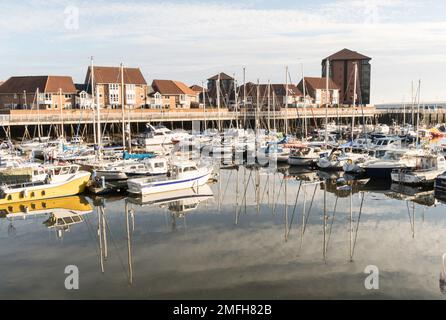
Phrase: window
pixel 48 96
pixel 68 96
pixel 113 86
pixel 114 98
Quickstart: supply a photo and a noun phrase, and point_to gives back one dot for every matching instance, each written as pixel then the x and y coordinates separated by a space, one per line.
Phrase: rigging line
pixel 91 233
pixel 294 208
pixel 332 220
pixel 264 189
pixel 116 247
pixel 227 183
pixel 244 194
pixel 278 194
pixel 307 216
pixel 357 224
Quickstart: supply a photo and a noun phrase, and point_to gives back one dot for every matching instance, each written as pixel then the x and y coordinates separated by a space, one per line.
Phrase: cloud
pixel 190 40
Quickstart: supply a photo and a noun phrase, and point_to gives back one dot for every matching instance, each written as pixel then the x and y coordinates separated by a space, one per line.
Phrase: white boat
pixel 161 136
pixel 125 169
pixel 337 158
pixel 392 159
pixel 182 175
pixel 427 168
pixel 304 156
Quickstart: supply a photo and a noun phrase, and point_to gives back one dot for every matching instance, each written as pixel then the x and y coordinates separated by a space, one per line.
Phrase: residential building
pixel 201 93
pixel 83 99
pixel 55 92
pixel 108 83
pixel 227 85
pixel 277 95
pixel 316 89
pixel 171 94
pixel 342 66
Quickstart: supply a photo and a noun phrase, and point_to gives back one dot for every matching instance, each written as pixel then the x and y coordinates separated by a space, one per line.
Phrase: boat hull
pixel 378 173
pixel 169 185
pixel 71 187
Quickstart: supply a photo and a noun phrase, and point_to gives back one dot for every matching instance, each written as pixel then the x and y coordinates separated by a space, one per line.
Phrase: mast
pixel 93 97
pixel 327 93
pixel 218 102
pixel 236 102
pixel 38 112
pixel 269 104
pixel 244 96
pixel 418 113
pixel 286 100
pixel 122 106
pixel 257 107
pixel 354 100
pixel 305 102
pixel 204 105
pixel 61 112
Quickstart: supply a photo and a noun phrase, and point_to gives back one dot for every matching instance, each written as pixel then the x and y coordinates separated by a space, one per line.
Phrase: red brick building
pixel 342 66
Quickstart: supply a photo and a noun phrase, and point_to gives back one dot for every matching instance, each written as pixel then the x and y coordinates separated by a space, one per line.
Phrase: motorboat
pixel 427 168
pixel 47 181
pixel 182 175
pixel 125 169
pixel 305 155
pixel 392 159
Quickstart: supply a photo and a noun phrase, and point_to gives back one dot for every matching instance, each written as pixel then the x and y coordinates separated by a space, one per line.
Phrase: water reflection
pixel 60 213
pixel 291 233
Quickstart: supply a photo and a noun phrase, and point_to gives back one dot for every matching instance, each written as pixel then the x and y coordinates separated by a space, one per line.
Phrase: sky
pixel 193 40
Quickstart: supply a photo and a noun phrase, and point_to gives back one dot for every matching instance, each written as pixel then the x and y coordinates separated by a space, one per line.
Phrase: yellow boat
pixel 47 182
pixel 36 207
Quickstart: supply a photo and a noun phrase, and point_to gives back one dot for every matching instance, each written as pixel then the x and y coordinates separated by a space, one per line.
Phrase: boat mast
pixel 244 96
pixel 218 102
pixel 286 100
pixel 93 97
pixel 38 112
pixel 418 113
pixel 236 102
pixel 122 106
pixel 305 102
pixel 327 75
pixel 204 105
pixel 269 104
pixel 354 100
pixel 61 113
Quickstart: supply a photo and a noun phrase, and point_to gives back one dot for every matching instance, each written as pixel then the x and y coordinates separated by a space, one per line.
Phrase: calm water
pixel 235 240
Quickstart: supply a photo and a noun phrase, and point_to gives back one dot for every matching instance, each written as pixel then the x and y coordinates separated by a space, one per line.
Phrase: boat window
pixel 159 165
pixel 186 169
pixel 77 219
pixel 57 170
pixel 159 134
pixel 73 170
pixel 65 170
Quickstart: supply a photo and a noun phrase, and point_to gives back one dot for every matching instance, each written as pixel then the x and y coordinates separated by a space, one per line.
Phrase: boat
pixel 427 168
pixel 440 186
pixel 49 181
pixel 122 170
pixel 159 136
pixel 273 151
pixel 182 175
pixel 184 199
pixel 304 156
pixel 337 158
pixel 393 159
pixel 25 209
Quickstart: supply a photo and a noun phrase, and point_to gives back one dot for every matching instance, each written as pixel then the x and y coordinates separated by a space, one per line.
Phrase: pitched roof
pixel 171 87
pixel 277 89
pixel 49 84
pixel 347 54
pixel 104 75
pixel 198 88
pixel 319 83
pixel 223 76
